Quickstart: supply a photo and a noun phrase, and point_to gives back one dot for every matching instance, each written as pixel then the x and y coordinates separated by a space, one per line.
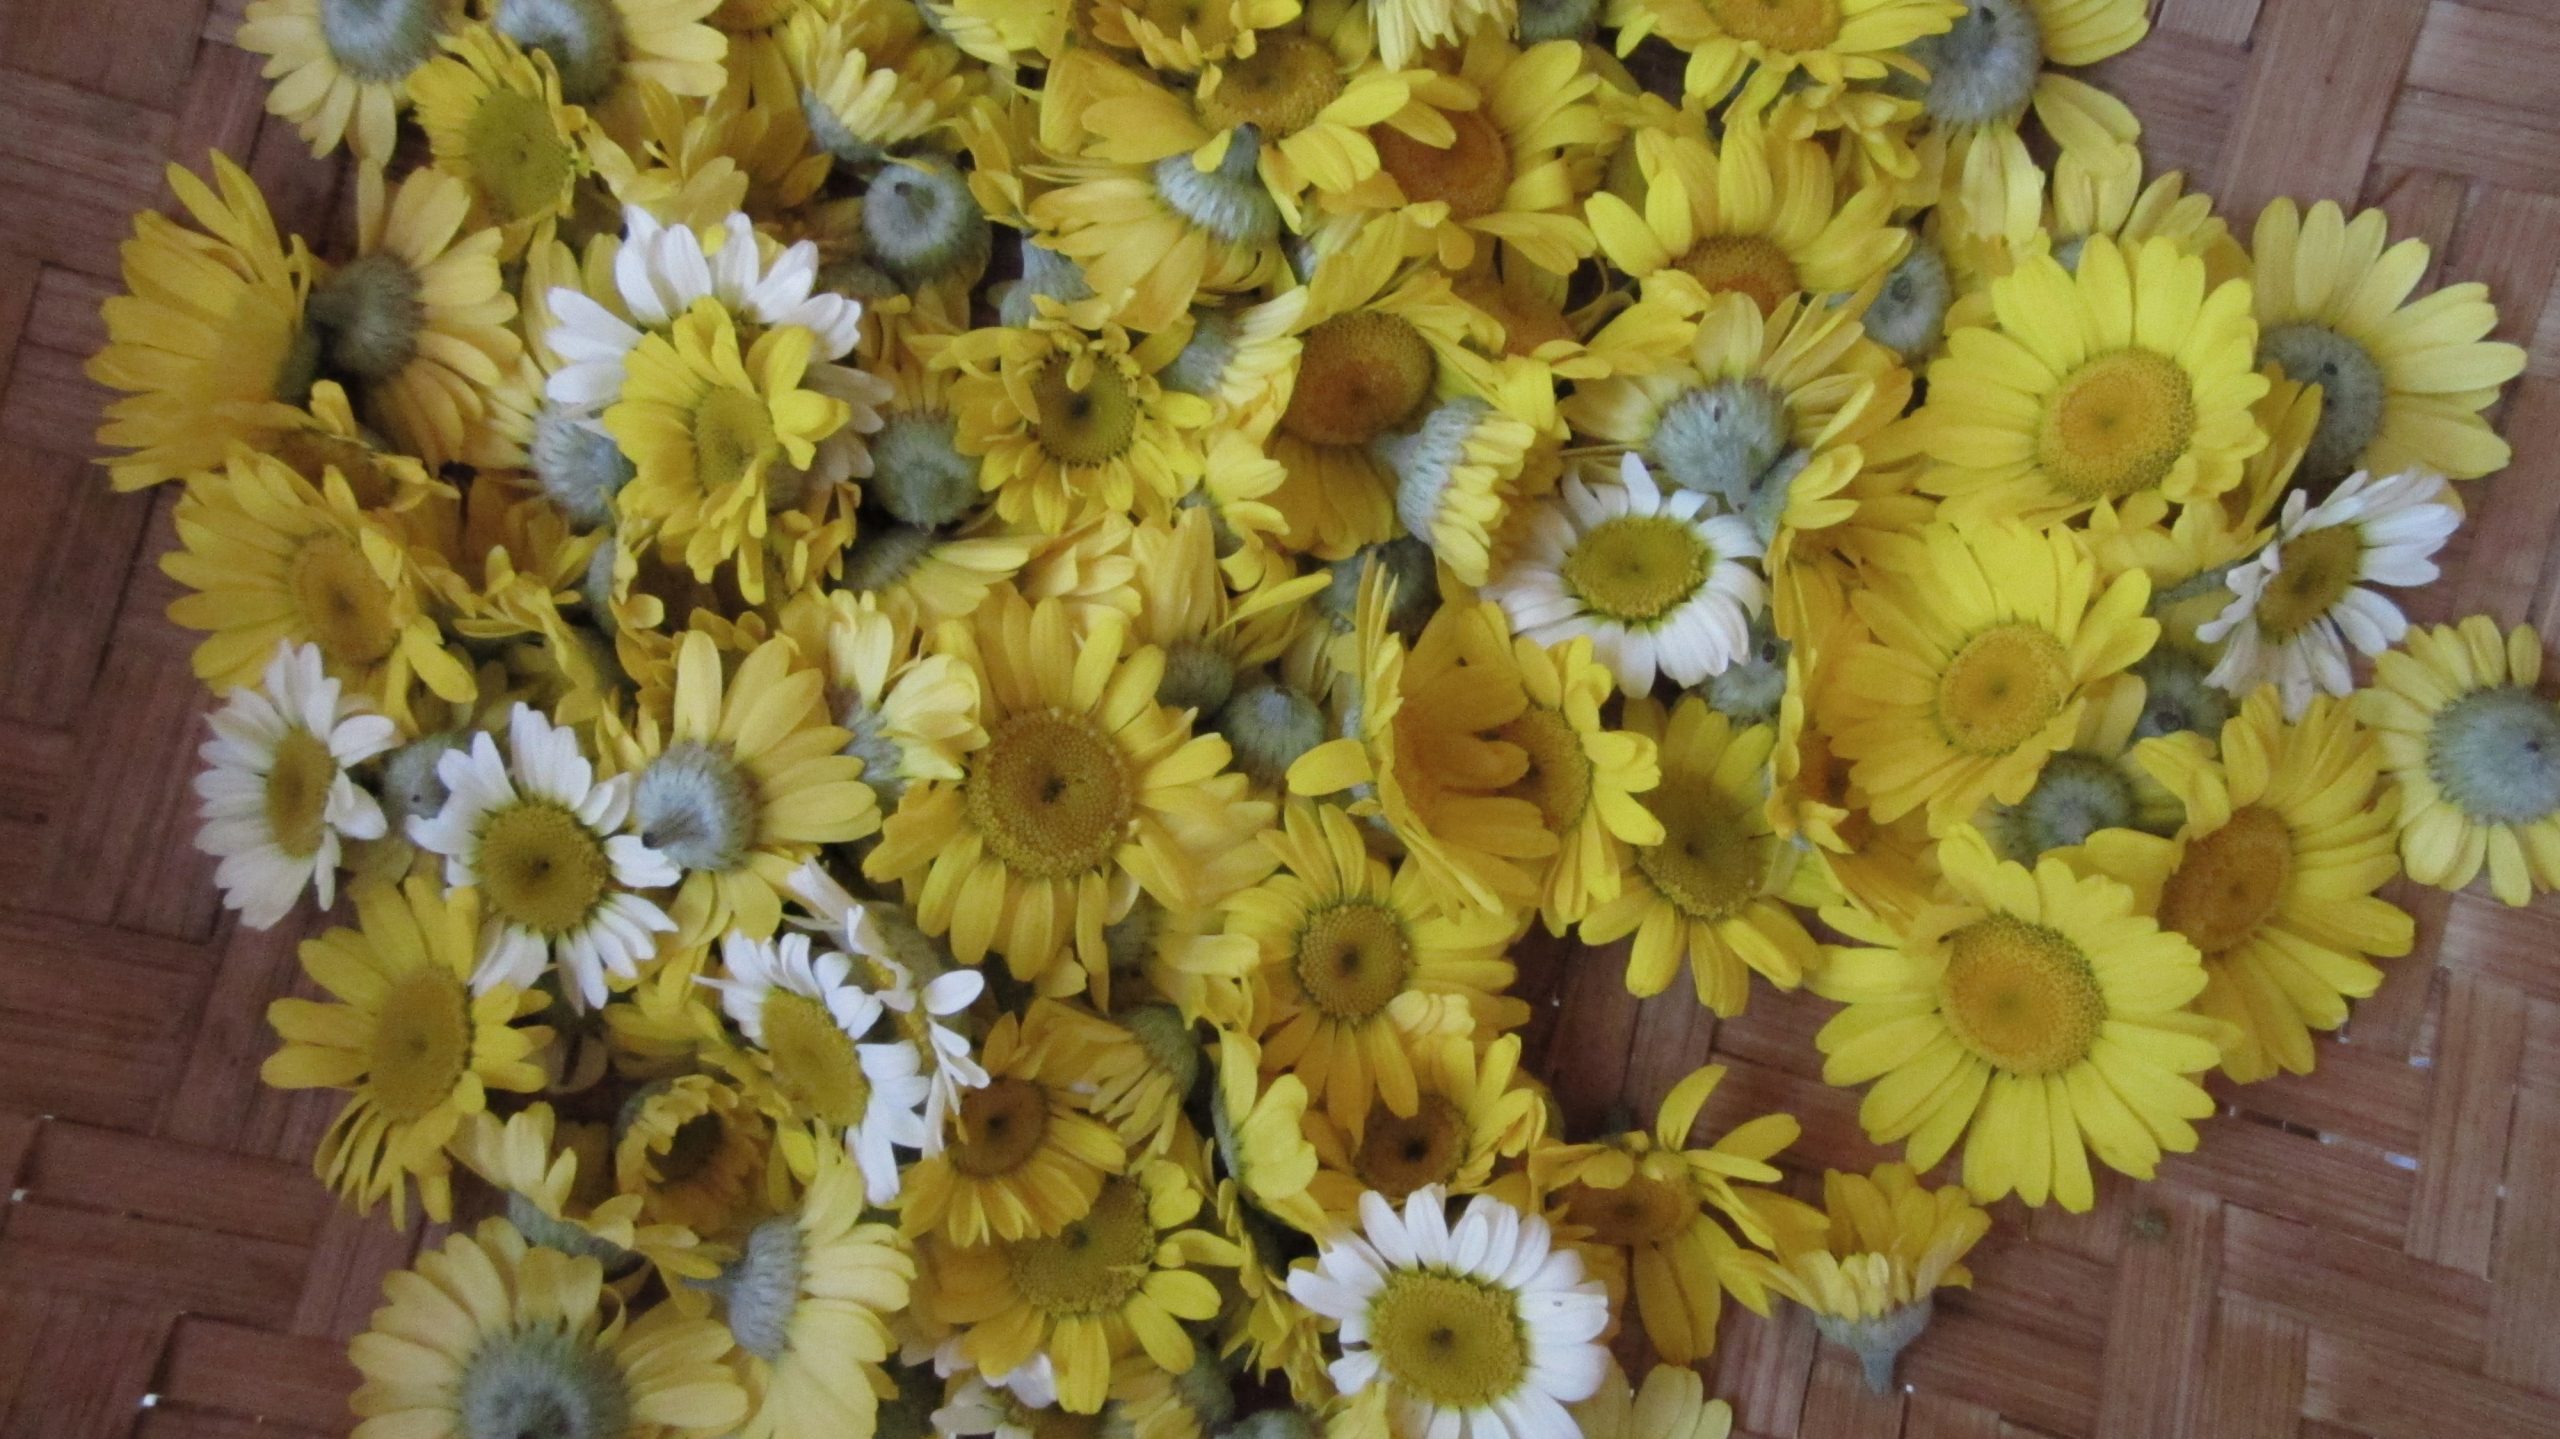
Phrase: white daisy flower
pixel 1483 1327
pixel 660 271
pixel 538 834
pixel 807 1014
pixel 277 795
pixel 1657 585
pixel 2299 604
pixel 924 1010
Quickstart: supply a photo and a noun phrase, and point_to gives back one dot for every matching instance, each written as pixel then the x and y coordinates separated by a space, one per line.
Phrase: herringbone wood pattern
pixel 2374 1250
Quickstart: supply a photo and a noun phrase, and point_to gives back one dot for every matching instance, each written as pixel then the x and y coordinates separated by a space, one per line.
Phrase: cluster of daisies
pixel 939 647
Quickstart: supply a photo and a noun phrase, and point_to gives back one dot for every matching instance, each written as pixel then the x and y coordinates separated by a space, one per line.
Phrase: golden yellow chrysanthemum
pixel 1424 756
pixel 272 558
pixel 416 1050
pixel 1069 416
pixel 1764 413
pixel 1586 778
pixel 1027 1155
pixel 2475 747
pixel 494 118
pixel 207 343
pixel 341 67
pixel 1651 1214
pixel 809 1298
pixel 1987 642
pixel 741 780
pixel 2122 382
pixel 2272 876
pixel 1892 1244
pixel 2402 382
pixel 1482 158
pixel 1753 213
pixel 1476 1110
pixel 2036 1015
pixel 1086 790
pixel 721 443
pixel 1358 963
pixel 1120 1280
pixel 420 322
pixel 488 1325
pixel 1716 887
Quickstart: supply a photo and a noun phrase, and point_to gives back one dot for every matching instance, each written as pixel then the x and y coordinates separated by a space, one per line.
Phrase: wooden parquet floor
pixel 2371 1251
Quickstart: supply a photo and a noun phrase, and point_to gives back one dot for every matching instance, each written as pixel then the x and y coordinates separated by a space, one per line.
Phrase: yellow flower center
pixel 733 438
pixel 2020 995
pixel 2319 569
pixel 1634 569
pixel 814 1060
pixel 1050 795
pixel 1401 1153
pixel 1528 320
pixel 344 607
pixel 741 17
pixel 2116 426
pixel 1092 1266
pixel 540 867
pixel 1352 959
pixel 1001 1126
pixel 1057 1423
pixel 1559 777
pixel 1279 89
pixel 517 156
pixel 1470 174
pixel 1087 426
pixel 1452 1339
pixel 2231 880
pixel 1744 265
pixel 1359 376
pixel 1779 24
pixel 1644 1210
pixel 421 1045
pixel 2007 683
pixel 298 792
pixel 1711 861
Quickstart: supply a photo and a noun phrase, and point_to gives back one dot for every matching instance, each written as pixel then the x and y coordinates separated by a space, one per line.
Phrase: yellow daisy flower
pixel 912 714
pixel 1585 777
pixel 610 53
pixel 1358 963
pixel 699 1153
pixel 1028 1155
pixel 494 118
pixel 2475 747
pixel 721 443
pixel 1476 1110
pixel 341 67
pixel 2097 783
pixel 1717 886
pixel 1753 213
pixel 2403 382
pixel 873 77
pixel 2036 1015
pixel 809 1298
pixel 1891 1245
pixel 2272 876
pixel 741 781
pixel 414 1048
pixel 1657 1219
pixel 559 1186
pixel 207 343
pixel 1756 51
pixel 1069 415
pixel 1987 644
pixel 421 322
pixel 488 1324
pixel 1120 1280
pixel 1766 414
pixel 2123 381
pixel 271 558
pixel 1483 156
pixel 1086 790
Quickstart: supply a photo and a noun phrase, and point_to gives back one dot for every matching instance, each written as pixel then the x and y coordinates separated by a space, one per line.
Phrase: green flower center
pixel 2352 391
pixel 541 1382
pixel 380 41
pixel 2496 754
pixel 516 155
